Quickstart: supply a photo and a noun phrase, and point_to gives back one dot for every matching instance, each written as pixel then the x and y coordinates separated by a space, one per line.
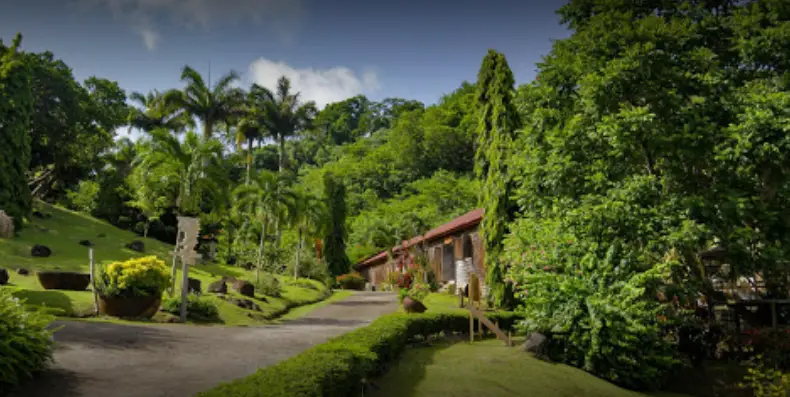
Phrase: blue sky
pixel 330 49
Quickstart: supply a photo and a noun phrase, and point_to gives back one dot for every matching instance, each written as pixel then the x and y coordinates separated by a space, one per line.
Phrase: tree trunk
pixel 249 160
pixel 260 252
pixel 282 152
pixel 145 229
pixel 298 252
pixel 208 129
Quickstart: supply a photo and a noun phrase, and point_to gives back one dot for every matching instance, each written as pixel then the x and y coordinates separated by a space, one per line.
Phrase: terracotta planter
pixel 134 307
pixel 71 281
pixel 413 306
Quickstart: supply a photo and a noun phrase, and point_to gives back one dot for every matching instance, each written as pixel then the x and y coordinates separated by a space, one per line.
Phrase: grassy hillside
pixel 62 233
pixel 487 368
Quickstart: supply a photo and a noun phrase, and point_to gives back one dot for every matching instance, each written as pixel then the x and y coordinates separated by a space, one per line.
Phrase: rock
pixel 245 304
pixel 244 287
pixel 218 287
pixel 101 235
pixel 40 251
pixel 3 276
pixel 86 243
pixel 194 285
pixel 248 266
pixel 231 260
pixel 536 344
pixel 136 245
pixel 22 271
pixel 413 306
pixel 39 215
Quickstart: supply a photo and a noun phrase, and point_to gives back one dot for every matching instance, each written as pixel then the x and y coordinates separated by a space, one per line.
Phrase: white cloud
pixel 320 85
pixel 150 37
pixel 282 17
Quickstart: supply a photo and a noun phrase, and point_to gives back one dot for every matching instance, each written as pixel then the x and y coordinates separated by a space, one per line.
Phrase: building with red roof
pixel 445 245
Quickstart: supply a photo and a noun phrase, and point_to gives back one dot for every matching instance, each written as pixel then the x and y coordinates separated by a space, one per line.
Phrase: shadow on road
pixel 62 380
pixel 326 321
pixel 112 336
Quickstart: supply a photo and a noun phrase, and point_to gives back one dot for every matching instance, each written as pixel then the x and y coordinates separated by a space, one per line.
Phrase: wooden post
pixel 93 282
pixel 175 273
pixel 184 289
pixel 471 328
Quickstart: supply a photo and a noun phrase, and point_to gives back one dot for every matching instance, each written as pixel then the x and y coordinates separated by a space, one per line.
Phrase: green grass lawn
pixel 487 368
pixel 62 234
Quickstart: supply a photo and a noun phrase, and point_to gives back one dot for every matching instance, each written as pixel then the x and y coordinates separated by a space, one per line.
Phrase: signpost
pixel 188 229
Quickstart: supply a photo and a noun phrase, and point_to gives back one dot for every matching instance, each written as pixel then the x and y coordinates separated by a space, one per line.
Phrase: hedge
pixel 337 367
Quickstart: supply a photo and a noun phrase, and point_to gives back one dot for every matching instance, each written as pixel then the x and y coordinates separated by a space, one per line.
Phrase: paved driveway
pixel 170 360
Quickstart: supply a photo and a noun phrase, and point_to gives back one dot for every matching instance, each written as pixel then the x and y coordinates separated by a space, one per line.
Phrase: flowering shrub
pixel 404 280
pixel 351 281
pixel 136 277
pixel 25 342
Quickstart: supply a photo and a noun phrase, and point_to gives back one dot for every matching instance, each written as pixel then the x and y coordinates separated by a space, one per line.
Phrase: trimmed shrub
pixel 269 285
pixel 351 281
pixel 305 283
pixel 25 343
pixel 339 366
pixel 198 309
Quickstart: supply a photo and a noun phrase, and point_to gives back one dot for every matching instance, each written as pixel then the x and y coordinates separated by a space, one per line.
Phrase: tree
pixel 210 105
pixel 154 113
pixel 269 200
pixel 150 195
pixel 193 167
pixel 285 114
pixel 72 124
pixel 252 125
pixel 309 216
pixel 336 234
pixel 15 114
pixel 497 128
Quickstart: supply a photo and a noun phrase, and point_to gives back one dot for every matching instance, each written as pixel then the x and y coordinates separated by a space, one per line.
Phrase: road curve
pixel 170 360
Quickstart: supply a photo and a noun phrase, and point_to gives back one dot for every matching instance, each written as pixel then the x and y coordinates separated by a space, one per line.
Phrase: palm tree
pixel 153 113
pixel 268 199
pixel 193 166
pixel 285 114
pixel 252 123
pixel 309 216
pixel 210 105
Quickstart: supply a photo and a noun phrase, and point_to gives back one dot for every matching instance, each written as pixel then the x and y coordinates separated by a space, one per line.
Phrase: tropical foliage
pixel 143 276
pixel 27 343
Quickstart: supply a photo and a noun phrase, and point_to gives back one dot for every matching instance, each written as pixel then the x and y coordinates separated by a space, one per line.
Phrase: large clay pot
pixel 134 307
pixel 71 281
pixel 413 306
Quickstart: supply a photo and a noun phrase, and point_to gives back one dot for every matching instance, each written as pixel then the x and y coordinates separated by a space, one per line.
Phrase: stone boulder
pixel 413 306
pixel 248 266
pixel 22 271
pixel 536 344
pixel 41 215
pixel 101 235
pixel 3 276
pixel 194 285
pixel 244 287
pixel 218 287
pixel 245 304
pixel 86 243
pixel 40 251
pixel 136 245
pixel 6 225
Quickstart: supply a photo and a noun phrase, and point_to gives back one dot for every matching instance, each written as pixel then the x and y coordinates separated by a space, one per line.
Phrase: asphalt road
pixel 172 360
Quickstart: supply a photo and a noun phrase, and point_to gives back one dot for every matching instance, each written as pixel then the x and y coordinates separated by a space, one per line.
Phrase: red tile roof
pixel 470 219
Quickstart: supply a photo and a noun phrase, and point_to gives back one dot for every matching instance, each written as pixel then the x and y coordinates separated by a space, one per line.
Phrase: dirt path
pixel 103 359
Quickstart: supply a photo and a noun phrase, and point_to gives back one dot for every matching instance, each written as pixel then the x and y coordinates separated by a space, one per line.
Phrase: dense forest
pixel 656 131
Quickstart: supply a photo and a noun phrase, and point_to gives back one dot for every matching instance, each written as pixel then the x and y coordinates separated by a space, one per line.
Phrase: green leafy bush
pixel 25 343
pixel 353 281
pixel 198 309
pixel 304 283
pixel 601 310
pixel 338 367
pixel 764 380
pixel 268 285
pixel 136 277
